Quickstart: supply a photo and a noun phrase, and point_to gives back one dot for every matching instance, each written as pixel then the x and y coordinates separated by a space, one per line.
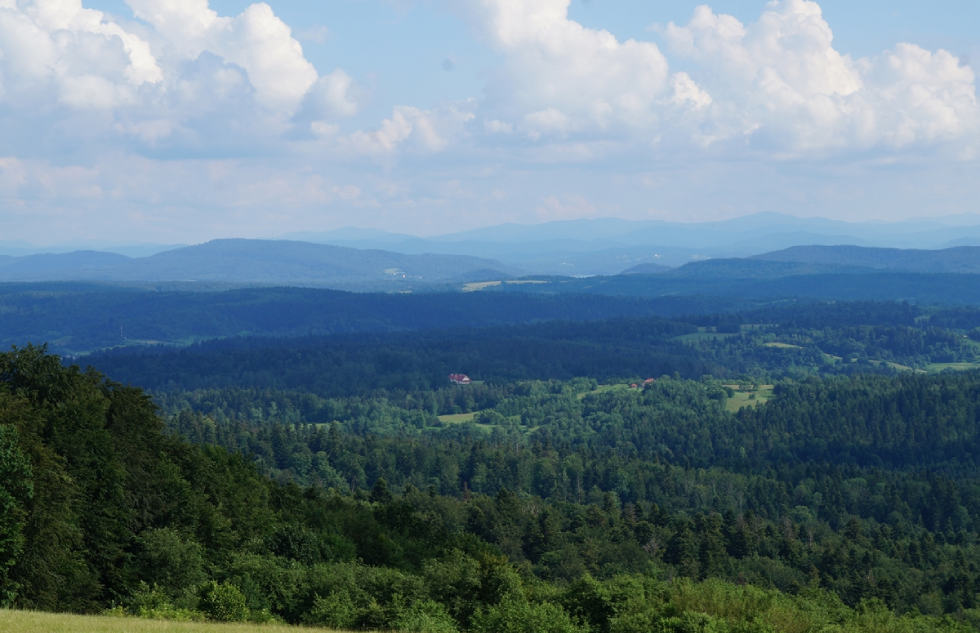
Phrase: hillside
pixel 645 269
pixel 75 318
pixel 759 269
pixel 58 266
pixel 256 261
pixel 871 285
pixel 961 259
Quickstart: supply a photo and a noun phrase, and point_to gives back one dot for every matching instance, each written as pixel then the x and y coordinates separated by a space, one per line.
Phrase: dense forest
pixel 104 510
pixel 79 317
pixel 76 318
pixel 787 340
pixel 803 467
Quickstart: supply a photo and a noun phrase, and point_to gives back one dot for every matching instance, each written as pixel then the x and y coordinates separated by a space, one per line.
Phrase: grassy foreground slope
pixel 38 622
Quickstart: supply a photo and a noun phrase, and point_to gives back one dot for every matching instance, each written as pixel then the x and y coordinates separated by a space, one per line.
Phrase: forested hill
pixel 795 340
pixel 538 527
pixel 735 279
pixel 961 259
pixel 258 261
pixel 78 318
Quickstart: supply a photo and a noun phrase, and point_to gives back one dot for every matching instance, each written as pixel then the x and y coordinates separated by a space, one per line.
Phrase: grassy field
pixel 479 285
pixel 783 345
pixel 457 418
pixel 742 398
pixel 602 389
pixel 36 622
pixel 954 366
pixel 704 336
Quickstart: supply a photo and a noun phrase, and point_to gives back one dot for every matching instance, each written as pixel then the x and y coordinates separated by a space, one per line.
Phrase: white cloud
pixel 777 84
pixel 86 98
pixel 256 40
pixel 780 82
pixel 423 130
pixel 187 76
pixel 560 76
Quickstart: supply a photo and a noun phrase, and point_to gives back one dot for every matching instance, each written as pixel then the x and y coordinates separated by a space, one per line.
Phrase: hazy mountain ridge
pixel 53 266
pixel 760 269
pixel 960 259
pixel 254 261
pixel 646 269
pixel 606 246
pixel 371 259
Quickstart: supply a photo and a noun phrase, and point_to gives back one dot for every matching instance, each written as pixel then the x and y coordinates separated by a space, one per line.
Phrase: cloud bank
pixel 168 77
pixel 179 82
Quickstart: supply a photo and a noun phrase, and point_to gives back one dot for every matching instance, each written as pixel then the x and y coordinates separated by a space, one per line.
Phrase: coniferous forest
pixel 792 467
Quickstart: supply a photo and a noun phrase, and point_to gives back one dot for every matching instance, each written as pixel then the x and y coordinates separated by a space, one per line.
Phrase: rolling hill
pixel 258 261
pixel 961 259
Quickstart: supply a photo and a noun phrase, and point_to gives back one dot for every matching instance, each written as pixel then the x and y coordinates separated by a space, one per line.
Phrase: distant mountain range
pixel 760 246
pixel 950 276
pixel 607 246
pixel 260 261
pixel 819 260
pixel 961 259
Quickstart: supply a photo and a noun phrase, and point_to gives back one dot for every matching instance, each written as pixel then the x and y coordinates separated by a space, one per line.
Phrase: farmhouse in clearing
pixel 459 379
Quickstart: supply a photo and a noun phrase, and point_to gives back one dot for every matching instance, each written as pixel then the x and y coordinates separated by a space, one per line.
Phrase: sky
pixel 181 120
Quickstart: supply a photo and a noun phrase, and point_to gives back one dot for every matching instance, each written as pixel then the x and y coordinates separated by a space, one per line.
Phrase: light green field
pixel 36 622
pixel 602 389
pixel 782 345
pixel 954 366
pixel 479 285
pixel 457 418
pixel 741 398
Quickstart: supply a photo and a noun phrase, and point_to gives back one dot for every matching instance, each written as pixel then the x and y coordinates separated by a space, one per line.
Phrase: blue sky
pixel 179 120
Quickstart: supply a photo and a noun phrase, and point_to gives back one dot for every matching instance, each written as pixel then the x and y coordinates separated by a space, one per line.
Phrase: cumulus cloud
pixel 560 77
pixel 781 81
pixel 164 79
pixel 423 130
pixel 777 84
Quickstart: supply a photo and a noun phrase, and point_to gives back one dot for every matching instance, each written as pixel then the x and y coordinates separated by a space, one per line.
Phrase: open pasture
pixel 38 622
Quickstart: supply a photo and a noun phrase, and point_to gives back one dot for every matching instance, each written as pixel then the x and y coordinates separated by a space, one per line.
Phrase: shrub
pixel 223 602
pixel 154 604
pixel 336 610
pixel 425 616
pixel 517 615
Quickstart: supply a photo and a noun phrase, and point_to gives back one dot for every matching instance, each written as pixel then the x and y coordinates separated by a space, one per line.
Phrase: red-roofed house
pixel 459 379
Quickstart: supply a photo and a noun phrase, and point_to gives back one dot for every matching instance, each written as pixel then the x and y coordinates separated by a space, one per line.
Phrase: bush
pixel 425 616
pixel 517 615
pixel 154 604
pixel 336 611
pixel 223 602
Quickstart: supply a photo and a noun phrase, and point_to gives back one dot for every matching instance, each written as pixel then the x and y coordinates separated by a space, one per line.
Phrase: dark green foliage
pixel 78 318
pixel 223 602
pixel 562 506
pixel 816 484
pixel 16 490
pixel 792 282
